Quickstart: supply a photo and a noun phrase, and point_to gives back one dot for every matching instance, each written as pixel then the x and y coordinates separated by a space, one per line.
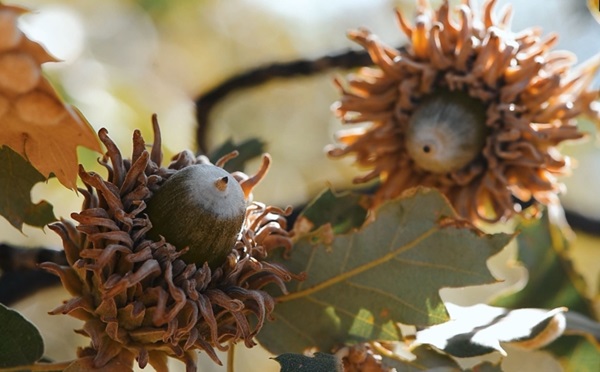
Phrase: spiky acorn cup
pixel 138 299
pixel 469 108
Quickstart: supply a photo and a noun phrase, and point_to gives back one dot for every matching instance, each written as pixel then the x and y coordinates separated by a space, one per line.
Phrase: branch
pixel 584 224
pixel 304 67
pixel 21 276
pixel 22 258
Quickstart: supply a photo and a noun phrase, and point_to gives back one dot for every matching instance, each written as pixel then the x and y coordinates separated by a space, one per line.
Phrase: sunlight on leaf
pixel 20 342
pixel 35 122
pixel 481 329
pixel 390 270
pixel 554 282
pixel 17 177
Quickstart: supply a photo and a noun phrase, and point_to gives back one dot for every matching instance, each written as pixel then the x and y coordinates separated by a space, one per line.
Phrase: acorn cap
pixel 138 299
pixel 531 97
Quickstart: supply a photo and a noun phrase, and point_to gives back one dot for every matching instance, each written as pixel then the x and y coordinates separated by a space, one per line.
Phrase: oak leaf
pixel 21 342
pixel 34 121
pixel 390 270
pixel 481 329
pixel 17 178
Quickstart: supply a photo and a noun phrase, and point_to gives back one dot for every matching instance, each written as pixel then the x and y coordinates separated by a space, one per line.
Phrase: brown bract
pixel 361 358
pixel 34 121
pixel 530 94
pixel 138 299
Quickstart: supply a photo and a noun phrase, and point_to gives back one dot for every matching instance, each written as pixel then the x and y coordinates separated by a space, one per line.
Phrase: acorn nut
pixel 447 132
pixel 201 207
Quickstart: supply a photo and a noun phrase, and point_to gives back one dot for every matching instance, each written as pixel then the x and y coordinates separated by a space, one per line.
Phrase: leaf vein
pixel 347 313
pixel 347 256
pixel 438 266
pixel 311 258
pixel 386 294
pixel 357 270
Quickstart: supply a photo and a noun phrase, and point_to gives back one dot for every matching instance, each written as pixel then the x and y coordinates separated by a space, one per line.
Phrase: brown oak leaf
pixel 34 121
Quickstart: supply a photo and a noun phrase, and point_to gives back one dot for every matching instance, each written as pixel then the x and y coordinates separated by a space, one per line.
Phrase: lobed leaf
pixel 553 282
pixel 481 329
pixel 359 284
pixel 35 122
pixel 17 178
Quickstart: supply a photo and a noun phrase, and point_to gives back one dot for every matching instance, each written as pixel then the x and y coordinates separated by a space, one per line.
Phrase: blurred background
pixel 122 61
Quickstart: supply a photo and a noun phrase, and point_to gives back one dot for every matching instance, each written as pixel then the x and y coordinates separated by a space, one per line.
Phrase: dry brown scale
pixel 137 298
pixel 34 122
pixel 361 358
pixel 529 93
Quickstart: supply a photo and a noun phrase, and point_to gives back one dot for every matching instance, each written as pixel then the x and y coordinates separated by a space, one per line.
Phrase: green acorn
pixel 201 207
pixel 446 132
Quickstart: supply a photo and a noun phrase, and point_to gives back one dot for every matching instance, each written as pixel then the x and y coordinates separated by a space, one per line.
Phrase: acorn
pixel 201 207
pixel 446 132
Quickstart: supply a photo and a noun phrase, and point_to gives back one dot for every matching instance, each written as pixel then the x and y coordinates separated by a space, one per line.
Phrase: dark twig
pixel 582 223
pixel 21 276
pixel 205 102
pixel 20 258
pixel 18 285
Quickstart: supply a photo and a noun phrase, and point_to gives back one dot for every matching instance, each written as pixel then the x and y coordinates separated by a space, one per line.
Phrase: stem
pixel 39 367
pixel 580 324
pixel 231 357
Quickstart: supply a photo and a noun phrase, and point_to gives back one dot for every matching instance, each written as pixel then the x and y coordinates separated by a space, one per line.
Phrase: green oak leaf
pixel 320 362
pixel 553 282
pixel 20 342
pixel 247 150
pixel 576 353
pixel 359 284
pixel 17 178
pixel 344 211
